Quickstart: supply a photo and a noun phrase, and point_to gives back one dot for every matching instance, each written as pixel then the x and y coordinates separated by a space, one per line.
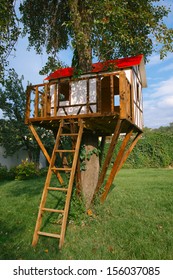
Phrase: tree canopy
pixel 104 28
pixel 9 32
pixel 14 134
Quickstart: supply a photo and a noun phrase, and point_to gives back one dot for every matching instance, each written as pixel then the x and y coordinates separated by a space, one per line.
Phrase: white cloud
pixel 164 88
pixel 158 104
pixel 166 68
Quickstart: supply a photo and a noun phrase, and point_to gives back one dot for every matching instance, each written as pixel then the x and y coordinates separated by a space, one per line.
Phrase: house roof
pixel 109 65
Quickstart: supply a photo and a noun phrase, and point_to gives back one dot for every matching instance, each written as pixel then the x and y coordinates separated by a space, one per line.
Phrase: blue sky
pixel 157 97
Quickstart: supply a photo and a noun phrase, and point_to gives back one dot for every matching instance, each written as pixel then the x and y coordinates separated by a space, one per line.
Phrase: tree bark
pixel 81 20
pixel 89 177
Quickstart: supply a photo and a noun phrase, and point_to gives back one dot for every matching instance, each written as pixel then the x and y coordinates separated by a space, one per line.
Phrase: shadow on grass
pixel 30 187
pixel 8 236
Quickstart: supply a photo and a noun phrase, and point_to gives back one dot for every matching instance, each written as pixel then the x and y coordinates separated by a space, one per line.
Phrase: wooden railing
pixel 43 103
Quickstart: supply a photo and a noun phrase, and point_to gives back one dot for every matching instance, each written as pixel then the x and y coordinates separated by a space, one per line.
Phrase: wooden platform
pixel 98 124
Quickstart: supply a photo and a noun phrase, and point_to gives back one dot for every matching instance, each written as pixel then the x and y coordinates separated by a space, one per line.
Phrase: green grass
pixel 135 222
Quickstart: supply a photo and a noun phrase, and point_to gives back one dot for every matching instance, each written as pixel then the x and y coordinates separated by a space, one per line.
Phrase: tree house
pixel 107 102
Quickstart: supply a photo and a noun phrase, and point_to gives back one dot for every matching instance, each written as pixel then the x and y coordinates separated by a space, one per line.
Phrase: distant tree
pixel 14 134
pixel 9 32
pixel 165 129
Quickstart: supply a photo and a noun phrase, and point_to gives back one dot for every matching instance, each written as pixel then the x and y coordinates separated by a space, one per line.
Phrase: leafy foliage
pixel 106 28
pixel 86 156
pixel 14 134
pixel 3 172
pixel 51 65
pixel 26 170
pixel 102 28
pixel 154 149
pixel 9 32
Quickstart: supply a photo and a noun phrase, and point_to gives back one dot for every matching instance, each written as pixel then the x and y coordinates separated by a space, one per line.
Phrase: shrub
pixel 3 172
pixel 26 170
pixel 12 173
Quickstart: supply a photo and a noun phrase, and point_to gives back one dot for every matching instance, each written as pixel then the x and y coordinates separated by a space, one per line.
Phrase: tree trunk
pixel 81 19
pixel 89 177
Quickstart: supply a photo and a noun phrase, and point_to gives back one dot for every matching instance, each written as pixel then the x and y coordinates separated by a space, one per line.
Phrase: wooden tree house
pixel 107 102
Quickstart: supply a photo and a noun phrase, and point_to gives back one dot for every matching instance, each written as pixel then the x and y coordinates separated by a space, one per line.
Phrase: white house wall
pixel 78 97
pixel 129 75
pixel 13 160
pixel 138 102
pixel 17 158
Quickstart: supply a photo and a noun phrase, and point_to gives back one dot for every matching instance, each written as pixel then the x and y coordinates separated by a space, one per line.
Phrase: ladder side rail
pixel 45 190
pixel 69 192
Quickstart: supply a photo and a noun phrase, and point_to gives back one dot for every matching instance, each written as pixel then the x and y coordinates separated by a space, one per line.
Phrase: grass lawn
pixel 135 222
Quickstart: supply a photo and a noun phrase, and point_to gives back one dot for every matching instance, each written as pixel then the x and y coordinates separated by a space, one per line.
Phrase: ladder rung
pixel 64 151
pixel 49 234
pixel 62 168
pixel 57 189
pixel 52 210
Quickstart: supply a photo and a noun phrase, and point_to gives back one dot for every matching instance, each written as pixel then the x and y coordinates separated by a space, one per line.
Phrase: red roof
pixel 100 67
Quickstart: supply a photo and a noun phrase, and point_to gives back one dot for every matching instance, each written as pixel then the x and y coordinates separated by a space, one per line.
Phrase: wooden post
pixel 28 100
pixel 98 89
pixel 116 165
pixel 87 97
pixel 128 99
pixel 123 99
pixel 55 100
pixel 36 102
pixel 45 100
pixel 132 97
pixel 112 92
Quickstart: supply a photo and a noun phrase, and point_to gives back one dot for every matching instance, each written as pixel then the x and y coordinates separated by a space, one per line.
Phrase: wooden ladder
pixel 74 131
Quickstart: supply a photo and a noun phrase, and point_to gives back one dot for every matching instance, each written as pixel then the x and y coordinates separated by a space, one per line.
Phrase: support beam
pixel 120 159
pixel 109 154
pixel 127 153
pixel 37 138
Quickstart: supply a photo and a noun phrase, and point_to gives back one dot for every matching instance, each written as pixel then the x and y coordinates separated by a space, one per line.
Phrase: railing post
pixel 46 101
pixel 123 96
pixel 112 92
pixel 98 89
pixel 28 100
pixel 87 97
pixel 36 102
pixel 55 100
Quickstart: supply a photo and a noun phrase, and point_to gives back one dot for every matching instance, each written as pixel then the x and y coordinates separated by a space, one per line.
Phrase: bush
pixel 153 150
pixel 26 170
pixel 12 173
pixel 3 172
